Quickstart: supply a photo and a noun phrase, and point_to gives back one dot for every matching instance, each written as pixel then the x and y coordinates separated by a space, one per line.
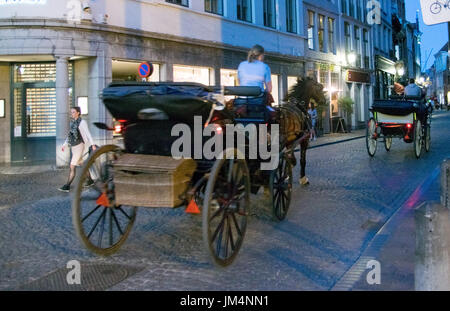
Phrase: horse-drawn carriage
pixel 407 118
pixel 145 174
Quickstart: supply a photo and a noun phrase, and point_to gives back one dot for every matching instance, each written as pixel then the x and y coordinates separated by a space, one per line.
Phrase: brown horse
pixel 295 122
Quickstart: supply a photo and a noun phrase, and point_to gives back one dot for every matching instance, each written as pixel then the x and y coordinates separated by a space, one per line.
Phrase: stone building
pixel 55 54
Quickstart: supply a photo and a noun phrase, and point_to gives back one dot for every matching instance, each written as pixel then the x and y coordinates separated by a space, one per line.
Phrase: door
pixel 34 122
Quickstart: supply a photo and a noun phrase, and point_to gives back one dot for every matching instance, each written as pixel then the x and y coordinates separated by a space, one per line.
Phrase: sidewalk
pixel 29 168
pixel 32 168
pixel 393 246
pixel 336 138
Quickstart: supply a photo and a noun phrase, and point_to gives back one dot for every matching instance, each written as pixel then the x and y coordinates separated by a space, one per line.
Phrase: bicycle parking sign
pixel 435 11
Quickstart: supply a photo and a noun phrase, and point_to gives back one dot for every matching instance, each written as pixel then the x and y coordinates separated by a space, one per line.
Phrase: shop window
pixel 214 6
pixel 291 81
pixel 228 77
pixel 37 72
pixel 275 89
pixel 41 112
pixel 191 74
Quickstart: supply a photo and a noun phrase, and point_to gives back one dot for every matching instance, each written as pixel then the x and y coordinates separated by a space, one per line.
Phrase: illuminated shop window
pixel 191 74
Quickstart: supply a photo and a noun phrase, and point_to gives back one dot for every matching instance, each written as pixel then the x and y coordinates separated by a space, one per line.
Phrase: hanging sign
pixel 435 11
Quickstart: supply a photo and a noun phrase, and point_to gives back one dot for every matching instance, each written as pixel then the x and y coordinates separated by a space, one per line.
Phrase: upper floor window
pixel 244 10
pixel 352 8
pixel 291 16
pixel 331 43
pixel 179 2
pixel 321 33
pixel 311 30
pixel 344 6
pixel 347 37
pixel 358 10
pixel 269 13
pixel 366 49
pixel 214 6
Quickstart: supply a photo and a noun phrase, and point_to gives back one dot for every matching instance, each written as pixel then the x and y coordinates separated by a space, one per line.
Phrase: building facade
pixel 55 54
pixel 357 58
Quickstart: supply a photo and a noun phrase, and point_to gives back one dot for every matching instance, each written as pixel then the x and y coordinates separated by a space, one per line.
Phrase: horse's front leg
pixel 304 146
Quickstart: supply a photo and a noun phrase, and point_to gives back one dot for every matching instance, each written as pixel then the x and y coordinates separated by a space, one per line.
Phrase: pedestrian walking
pixel 254 72
pixel 78 139
pixel 312 111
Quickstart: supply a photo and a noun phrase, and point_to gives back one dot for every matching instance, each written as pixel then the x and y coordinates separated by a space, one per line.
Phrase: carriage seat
pixel 252 109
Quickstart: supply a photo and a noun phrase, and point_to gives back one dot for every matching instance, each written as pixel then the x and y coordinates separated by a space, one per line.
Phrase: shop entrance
pixel 34 118
pixel 33 106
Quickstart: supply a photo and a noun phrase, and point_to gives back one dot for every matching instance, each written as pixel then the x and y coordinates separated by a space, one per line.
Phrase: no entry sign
pixel 145 69
pixel 435 11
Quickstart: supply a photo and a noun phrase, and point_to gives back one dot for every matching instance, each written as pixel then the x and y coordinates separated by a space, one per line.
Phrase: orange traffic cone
pixel 192 208
pixel 103 200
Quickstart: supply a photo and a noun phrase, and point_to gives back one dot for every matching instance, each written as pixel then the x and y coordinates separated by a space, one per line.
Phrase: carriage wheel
pixel 100 224
pixel 388 143
pixel 225 209
pixel 427 138
pixel 418 142
pixel 371 140
pixel 280 186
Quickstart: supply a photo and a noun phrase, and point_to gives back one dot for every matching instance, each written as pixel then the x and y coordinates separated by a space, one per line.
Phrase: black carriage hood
pixel 180 101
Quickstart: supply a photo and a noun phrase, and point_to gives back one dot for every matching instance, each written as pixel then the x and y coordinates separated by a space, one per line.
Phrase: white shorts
pixel 77 154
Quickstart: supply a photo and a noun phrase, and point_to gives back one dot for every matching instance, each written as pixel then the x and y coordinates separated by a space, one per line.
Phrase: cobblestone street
pixel 329 230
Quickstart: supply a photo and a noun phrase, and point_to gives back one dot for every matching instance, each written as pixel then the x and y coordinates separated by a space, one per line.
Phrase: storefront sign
pixel 13 2
pixel 356 76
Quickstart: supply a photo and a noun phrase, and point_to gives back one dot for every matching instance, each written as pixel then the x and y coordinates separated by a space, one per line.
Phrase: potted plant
pixel 346 105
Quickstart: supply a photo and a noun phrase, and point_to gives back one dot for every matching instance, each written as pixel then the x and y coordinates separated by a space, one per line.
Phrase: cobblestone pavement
pixel 330 224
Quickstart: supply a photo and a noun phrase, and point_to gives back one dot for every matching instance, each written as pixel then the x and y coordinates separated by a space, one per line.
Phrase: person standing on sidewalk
pixel 312 111
pixel 78 138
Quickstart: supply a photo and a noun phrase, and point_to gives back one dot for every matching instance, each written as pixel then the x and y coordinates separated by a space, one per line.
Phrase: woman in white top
pixel 78 139
pixel 254 72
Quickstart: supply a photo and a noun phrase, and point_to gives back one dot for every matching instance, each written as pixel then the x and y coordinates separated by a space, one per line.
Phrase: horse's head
pixel 305 90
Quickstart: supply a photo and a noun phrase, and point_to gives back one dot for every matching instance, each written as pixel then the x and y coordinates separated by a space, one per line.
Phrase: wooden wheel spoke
pixel 219 239
pixel 102 229
pixel 123 212
pixel 96 223
pixel 231 235
pixel 117 222
pixel 111 234
pixel 217 213
pixel 233 216
pixel 217 229
pixel 92 212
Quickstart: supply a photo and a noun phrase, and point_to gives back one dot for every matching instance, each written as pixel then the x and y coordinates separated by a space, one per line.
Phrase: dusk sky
pixel 433 38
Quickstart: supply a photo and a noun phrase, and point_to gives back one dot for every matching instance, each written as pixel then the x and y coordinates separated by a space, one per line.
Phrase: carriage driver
pixel 254 72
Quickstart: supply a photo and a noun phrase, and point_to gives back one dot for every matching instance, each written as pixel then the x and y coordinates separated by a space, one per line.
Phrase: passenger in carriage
pixel 412 89
pixel 254 72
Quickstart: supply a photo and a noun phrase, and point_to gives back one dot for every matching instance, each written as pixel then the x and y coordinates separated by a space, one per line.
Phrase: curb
pixel 333 143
